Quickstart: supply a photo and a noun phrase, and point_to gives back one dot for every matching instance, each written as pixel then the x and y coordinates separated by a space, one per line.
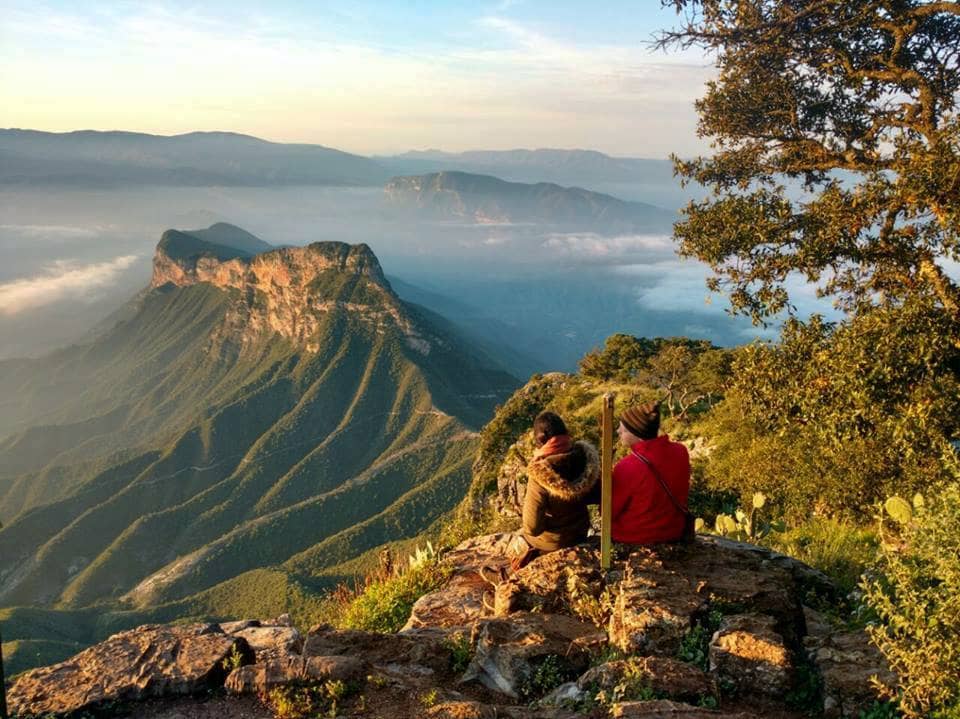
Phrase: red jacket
pixel 642 511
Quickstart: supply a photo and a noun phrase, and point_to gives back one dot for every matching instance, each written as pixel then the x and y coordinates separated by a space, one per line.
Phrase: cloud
pixel 598 248
pixel 64 279
pixel 43 232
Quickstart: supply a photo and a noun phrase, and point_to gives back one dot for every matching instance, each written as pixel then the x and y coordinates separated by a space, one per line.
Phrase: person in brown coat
pixel 560 477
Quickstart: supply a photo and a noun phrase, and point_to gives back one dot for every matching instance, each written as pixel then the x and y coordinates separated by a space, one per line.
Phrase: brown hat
pixel 643 420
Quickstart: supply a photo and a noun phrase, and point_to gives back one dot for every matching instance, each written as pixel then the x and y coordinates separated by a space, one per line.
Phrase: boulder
pixel 149 661
pixel 663 709
pixel 655 606
pixel 508 651
pixel 477 565
pixel 551 582
pixel 271 642
pixel 748 655
pixel 426 648
pixel 262 677
pixel 665 676
pixel 846 662
pixel 667 586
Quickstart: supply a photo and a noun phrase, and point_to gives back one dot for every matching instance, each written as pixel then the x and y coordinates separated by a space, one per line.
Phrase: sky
pixel 362 76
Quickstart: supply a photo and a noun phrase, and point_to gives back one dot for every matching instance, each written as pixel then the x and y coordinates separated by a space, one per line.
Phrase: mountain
pixel 89 158
pixel 256 417
pixel 485 199
pixel 563 166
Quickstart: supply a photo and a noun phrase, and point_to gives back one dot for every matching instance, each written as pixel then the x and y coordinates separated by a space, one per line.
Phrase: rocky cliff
pixel 287 290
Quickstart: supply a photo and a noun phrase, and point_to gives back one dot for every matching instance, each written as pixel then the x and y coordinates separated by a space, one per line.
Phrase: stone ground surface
pixel 535 645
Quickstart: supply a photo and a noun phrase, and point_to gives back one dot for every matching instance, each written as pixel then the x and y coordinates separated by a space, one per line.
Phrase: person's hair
pixel 546 426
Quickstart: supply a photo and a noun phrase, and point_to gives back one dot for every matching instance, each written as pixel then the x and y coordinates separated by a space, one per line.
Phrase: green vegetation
pixel 461 651
pixel 547 674
pixel 307 701
pixel 694 648
pixel 916 595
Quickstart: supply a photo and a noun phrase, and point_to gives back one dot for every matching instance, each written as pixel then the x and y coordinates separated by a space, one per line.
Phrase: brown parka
pixel 555 506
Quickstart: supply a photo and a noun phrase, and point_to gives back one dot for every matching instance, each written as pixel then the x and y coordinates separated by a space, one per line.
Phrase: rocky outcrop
pixel 149 661
pixel 508 651
pixel 537 644
pixel 289 290
pixel 476 566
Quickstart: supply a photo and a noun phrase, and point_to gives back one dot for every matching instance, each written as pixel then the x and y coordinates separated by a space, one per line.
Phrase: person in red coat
pixel 643 512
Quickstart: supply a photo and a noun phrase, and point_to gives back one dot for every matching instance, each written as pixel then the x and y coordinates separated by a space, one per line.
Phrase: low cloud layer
pixel 64 279
pixel 592 247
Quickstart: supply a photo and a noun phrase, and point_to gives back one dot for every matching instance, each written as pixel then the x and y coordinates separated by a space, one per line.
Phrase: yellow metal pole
pixel 606 480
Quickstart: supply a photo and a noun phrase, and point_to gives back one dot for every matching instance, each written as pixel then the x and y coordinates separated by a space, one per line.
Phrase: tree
pixel 855 102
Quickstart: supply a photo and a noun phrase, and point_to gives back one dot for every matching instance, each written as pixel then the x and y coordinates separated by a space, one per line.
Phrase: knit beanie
pixel 643 421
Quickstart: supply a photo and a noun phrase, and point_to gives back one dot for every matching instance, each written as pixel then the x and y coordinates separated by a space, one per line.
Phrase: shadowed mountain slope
pixel 253 410
pixel 486 199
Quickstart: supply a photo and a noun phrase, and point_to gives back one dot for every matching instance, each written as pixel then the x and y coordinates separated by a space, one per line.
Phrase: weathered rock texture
pixel 508 650
pixel 846 661
pixel 662 709
pixel 665 676
pixel 264 676
pixel 149 661
pixel 477 565
pixel 748 654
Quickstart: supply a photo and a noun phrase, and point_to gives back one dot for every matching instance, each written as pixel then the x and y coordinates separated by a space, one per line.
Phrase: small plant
pixel 461 651
pixel 634 685
pixel 234 660
pixel 695 645
pixel 880 710
pixel 915 593
pixel 428 699
pixel 585 605
pixel 550 673
pixel 807 692
pixel 306 701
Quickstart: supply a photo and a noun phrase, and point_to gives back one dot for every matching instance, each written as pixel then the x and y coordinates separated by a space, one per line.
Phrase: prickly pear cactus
pixel 899 509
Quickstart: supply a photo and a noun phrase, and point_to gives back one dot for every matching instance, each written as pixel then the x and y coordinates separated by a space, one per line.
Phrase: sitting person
pixel 560 477
pixel 643 510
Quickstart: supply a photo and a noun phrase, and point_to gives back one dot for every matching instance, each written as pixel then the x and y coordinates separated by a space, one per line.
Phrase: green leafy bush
pixel 916 595
pixel 837 417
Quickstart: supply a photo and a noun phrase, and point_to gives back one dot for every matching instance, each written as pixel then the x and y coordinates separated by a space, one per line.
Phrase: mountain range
pixel 255 409
pixel 484 199
pixel 119 159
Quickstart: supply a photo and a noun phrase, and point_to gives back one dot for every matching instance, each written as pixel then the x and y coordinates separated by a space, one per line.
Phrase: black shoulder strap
pixel 656 475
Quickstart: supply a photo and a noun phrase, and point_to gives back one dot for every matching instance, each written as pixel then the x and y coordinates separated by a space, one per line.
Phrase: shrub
pixel 916 595
pixel 384 603
pixel 836 417
pixel 306 701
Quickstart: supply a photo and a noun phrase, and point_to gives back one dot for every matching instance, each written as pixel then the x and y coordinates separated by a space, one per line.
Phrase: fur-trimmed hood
pixel 569 475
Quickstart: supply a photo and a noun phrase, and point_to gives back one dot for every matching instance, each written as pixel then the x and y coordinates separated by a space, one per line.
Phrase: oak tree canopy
pixel 855 103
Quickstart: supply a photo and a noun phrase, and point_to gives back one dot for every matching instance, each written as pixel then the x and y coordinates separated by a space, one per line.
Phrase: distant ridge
pixel 486 199
pixel 111 158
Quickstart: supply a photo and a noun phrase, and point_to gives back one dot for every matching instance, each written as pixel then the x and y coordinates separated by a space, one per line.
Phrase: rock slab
pixel 142 663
